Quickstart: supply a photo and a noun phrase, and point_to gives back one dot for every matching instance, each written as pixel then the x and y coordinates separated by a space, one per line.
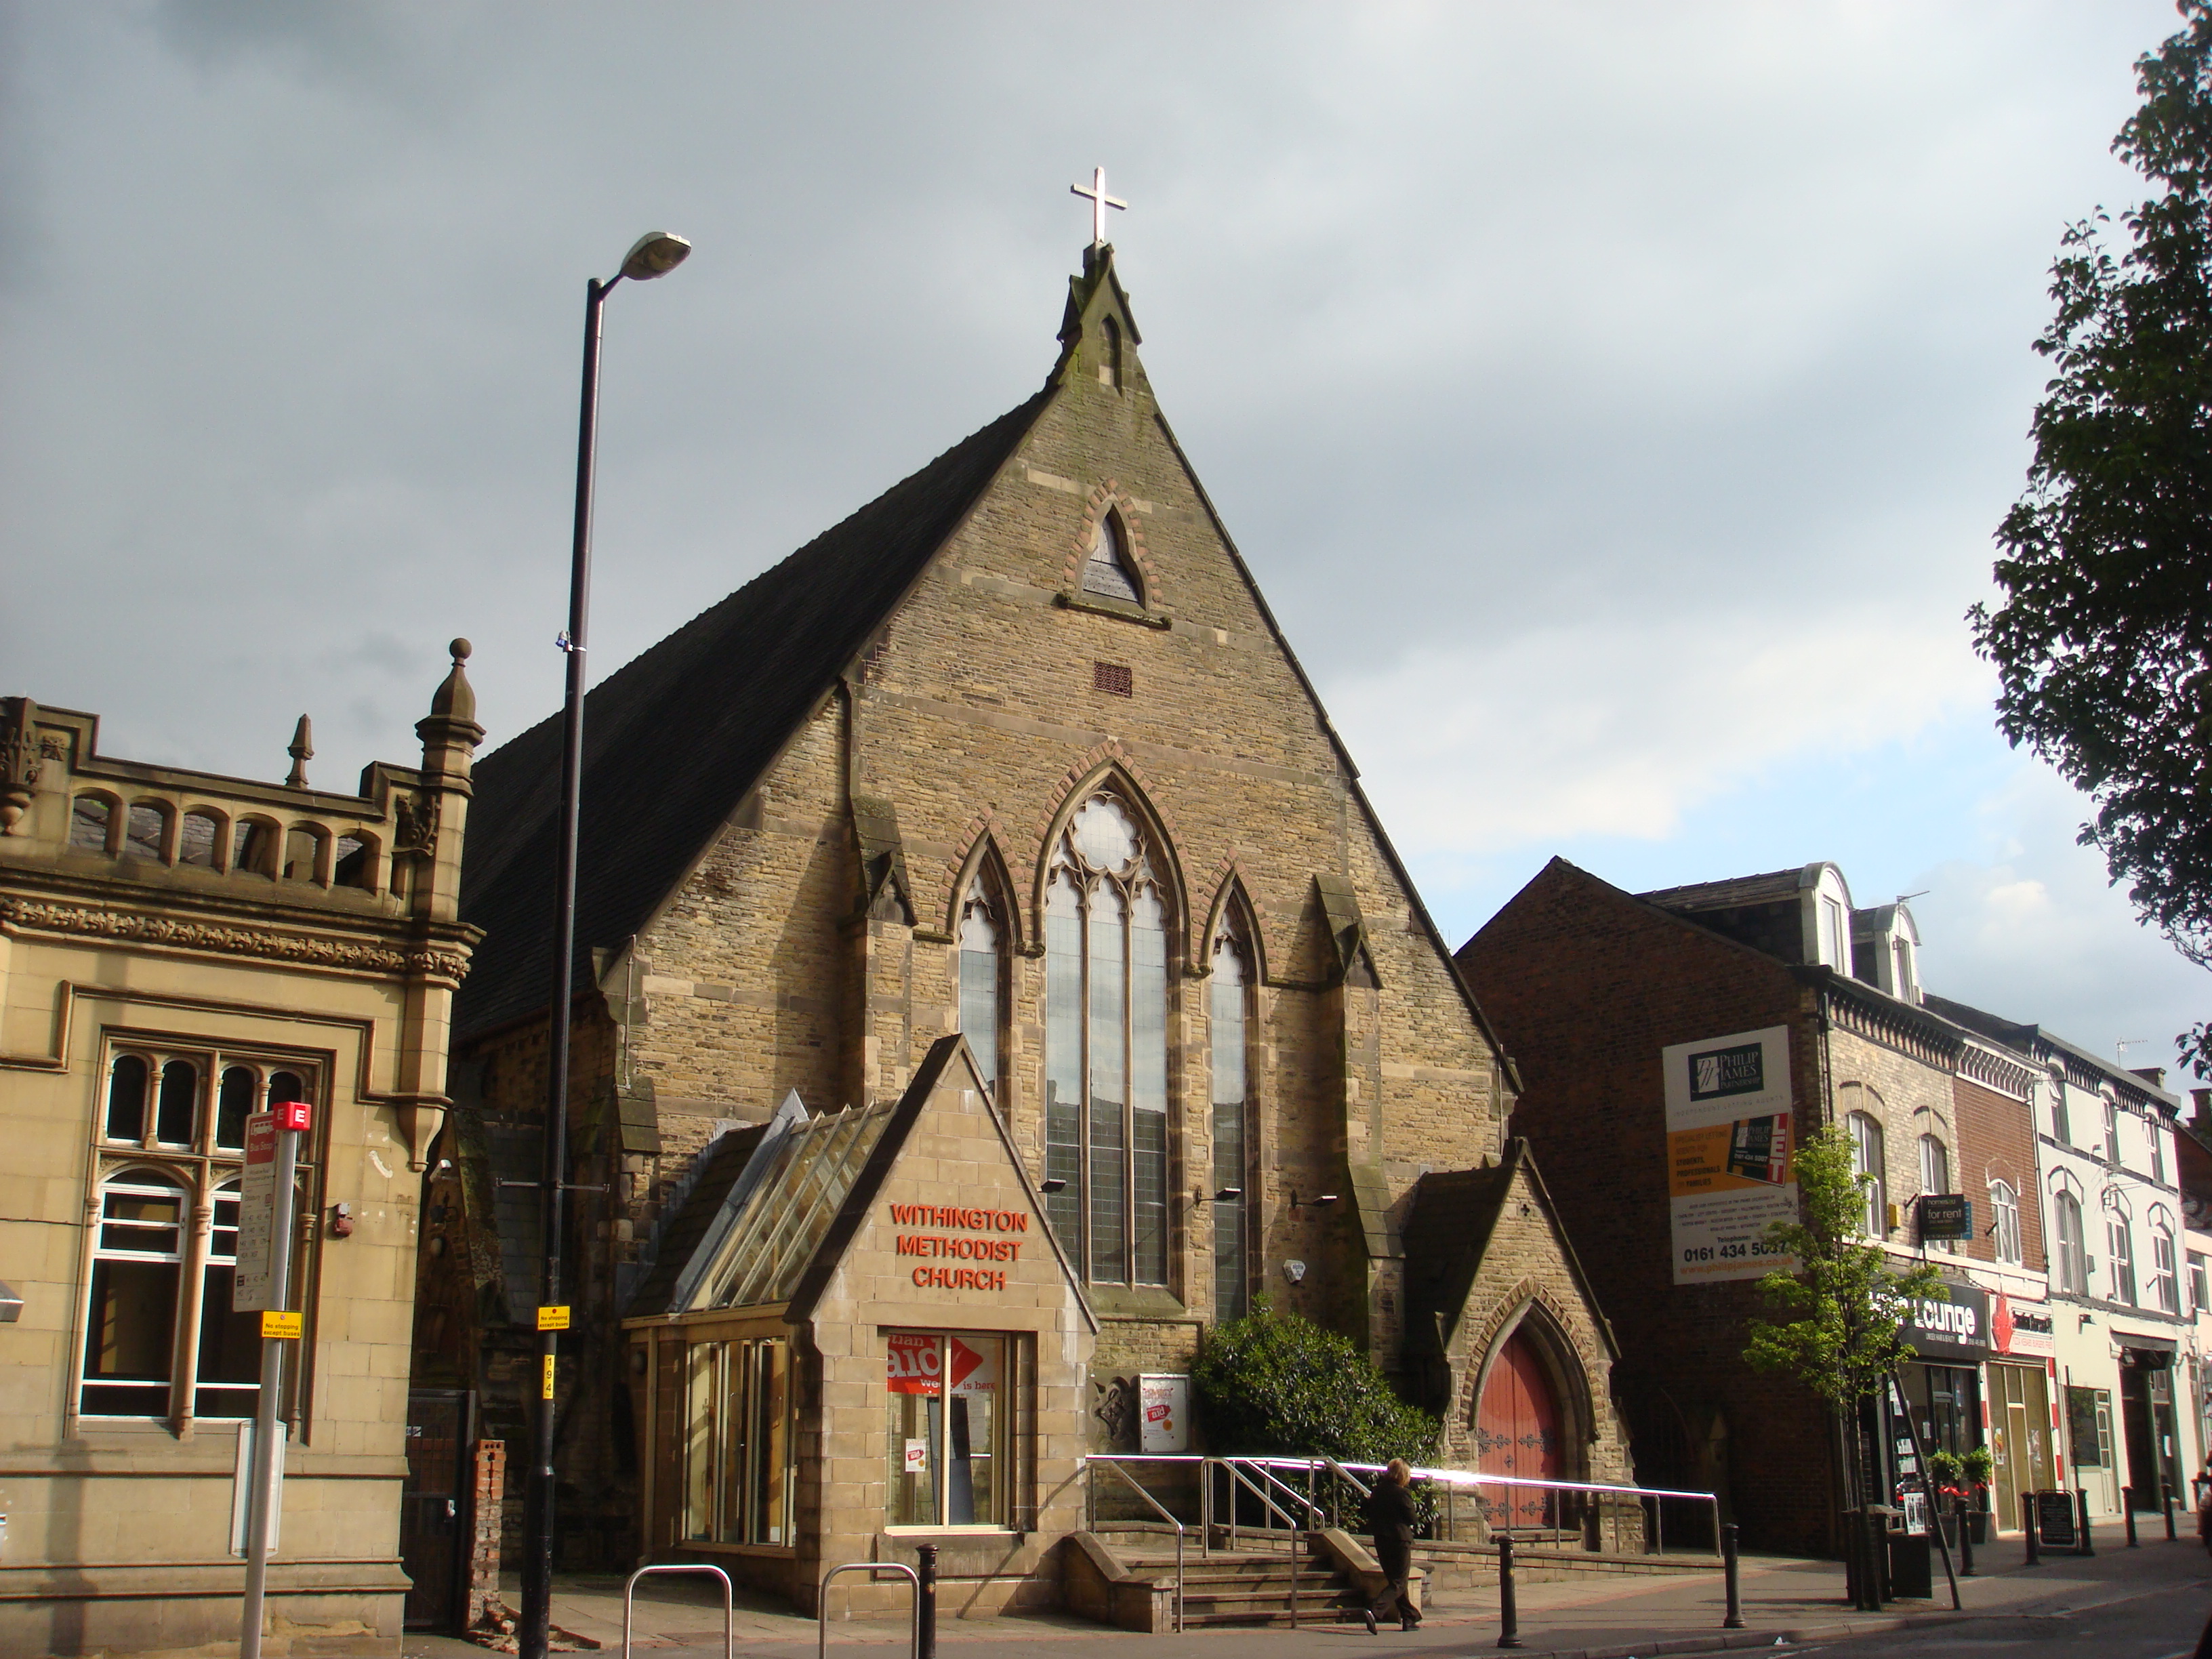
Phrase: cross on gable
pixel 1100 201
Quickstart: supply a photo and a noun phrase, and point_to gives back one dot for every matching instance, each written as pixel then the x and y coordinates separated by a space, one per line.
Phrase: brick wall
pixel 1996 1142
pixel 487 1495
pixel 1585 986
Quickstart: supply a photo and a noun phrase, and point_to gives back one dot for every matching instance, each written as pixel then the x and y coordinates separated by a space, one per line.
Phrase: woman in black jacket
pixel 1390 1523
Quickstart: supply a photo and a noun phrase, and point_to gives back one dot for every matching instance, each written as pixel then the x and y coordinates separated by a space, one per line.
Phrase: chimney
pixel 2153 1075
pixel 2200 1109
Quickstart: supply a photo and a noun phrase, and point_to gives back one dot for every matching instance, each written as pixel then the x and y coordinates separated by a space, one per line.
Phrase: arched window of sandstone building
pixel 90 816
pixel 1106 1061
pixel 177 1109
pixel 303 853
pixel 983 980
pixel 254 848
pixel 146 832
pixel 127 1099
pixel 355 861
pixel 1230 1022
pixel 196 842
pixel 1109 572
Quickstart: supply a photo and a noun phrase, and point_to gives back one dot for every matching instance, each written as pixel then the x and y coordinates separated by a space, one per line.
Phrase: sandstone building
pixel 179 951
pixel 1018 752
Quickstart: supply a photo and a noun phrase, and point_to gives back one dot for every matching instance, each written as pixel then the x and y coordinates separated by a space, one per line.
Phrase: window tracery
pixel 1106 1047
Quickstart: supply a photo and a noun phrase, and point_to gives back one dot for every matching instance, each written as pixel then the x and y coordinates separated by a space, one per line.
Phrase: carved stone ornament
pixel 416 824
pixel 1117 1410
pixel 43 917
pixel 21 753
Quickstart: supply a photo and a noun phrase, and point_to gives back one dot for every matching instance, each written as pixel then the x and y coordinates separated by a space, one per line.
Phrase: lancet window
pixel 1231 997
pixel 1106 1055
pixel 982 973
pixel 1107 572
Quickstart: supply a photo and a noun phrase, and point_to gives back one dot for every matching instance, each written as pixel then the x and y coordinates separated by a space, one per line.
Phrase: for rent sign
pixel 1729 1138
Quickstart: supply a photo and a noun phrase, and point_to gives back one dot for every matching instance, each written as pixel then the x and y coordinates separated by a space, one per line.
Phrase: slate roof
pixel 675 738
pixel 1775 887
pixel 1454 1213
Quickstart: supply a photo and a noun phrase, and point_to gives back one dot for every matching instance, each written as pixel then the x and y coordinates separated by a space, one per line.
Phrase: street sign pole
pixel 272 1144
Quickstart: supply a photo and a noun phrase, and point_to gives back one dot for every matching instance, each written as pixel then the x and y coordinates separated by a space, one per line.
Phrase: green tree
pixel 1846 1307
pixel 2103 641
pixel 1276 1385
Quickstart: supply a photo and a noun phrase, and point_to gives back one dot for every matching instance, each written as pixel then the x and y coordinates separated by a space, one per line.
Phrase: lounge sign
pixel 959 1233
pixel 1954 1325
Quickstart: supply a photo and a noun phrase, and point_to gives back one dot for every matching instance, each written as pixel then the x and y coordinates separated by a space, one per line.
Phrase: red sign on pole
pixel 292 1114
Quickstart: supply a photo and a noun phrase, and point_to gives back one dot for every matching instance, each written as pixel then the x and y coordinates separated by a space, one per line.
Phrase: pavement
pixel 1787 1603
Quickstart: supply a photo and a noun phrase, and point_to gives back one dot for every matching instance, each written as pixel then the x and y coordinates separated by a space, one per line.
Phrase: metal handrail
pixel 1230 1466
pixel 1465 1478
pixel 729 1609
pixel 871 1568
pixel 1106 1459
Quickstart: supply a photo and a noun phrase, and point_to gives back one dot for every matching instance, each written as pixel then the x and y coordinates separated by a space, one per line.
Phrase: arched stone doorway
pixel 1520 1430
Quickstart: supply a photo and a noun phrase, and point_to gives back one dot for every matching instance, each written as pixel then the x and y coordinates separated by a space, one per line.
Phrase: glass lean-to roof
pixel 809 1171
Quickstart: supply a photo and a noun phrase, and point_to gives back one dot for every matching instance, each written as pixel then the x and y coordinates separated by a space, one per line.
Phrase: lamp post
pixel 656 254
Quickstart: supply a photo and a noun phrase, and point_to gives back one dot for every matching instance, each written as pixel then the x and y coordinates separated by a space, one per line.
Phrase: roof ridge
pixel 754 665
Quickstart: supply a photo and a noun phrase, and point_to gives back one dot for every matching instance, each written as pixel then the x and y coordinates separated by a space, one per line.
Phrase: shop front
pixel 862 1338
pixel 1941 1393
pixel 2146 1419
pixel 2024 1450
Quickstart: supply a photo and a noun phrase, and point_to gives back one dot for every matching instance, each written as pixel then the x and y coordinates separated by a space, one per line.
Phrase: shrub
pixel 1276 1385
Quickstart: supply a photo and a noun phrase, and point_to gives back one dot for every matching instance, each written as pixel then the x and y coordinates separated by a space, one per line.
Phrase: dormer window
pixel 1109 574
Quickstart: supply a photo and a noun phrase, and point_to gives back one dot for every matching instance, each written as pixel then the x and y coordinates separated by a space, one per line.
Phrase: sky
pixel 1633 391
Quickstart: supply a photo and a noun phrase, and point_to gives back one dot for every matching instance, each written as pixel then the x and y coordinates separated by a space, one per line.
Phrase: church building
pixel 996 977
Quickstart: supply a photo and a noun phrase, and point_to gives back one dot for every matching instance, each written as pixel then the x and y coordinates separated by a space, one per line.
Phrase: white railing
pixel 1293 1494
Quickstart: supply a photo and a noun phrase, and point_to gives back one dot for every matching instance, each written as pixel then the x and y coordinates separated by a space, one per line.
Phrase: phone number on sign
pixel 1751 1252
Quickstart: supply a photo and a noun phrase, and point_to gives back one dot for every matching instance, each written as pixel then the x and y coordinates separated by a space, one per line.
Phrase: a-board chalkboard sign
pixel 2054 1519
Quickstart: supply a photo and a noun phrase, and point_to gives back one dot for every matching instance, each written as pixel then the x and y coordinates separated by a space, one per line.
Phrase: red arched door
pixel 1517 1433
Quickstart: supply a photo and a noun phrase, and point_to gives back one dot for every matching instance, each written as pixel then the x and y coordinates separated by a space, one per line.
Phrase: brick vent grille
pixel 1117 677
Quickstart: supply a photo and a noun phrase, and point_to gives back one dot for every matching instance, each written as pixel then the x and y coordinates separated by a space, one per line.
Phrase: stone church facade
pixel 1016 751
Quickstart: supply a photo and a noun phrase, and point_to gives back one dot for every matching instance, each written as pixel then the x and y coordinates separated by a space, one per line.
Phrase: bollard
pixel 1877 1563
pixel 1508 1616
pixel 2081 1510
pixel 2165 1503
pixel 925 1611
pixel 2027 1530
pixel 2127 1509
pixel 1967 1518
pixel 1734 1619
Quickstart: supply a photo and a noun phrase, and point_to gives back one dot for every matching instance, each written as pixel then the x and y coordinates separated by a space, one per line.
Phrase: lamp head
pixel 654 254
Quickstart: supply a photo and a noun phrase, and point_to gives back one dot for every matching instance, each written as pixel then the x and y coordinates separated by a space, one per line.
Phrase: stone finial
pixel 456 699
pixel 449 731
pixel 303 750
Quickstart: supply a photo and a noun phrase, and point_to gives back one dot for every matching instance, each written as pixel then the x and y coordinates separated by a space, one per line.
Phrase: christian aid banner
pixel 930 1365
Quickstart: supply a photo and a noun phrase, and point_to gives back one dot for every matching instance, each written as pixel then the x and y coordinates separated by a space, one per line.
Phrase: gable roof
pixel 675 738
pixel 1456 1213
pixel 781 1203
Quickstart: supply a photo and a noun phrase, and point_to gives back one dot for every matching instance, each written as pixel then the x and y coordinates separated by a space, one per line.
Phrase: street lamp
pixel 653 255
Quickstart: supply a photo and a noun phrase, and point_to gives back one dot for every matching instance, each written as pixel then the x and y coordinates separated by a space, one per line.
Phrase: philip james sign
pixel 1728 1141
